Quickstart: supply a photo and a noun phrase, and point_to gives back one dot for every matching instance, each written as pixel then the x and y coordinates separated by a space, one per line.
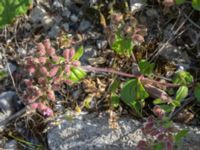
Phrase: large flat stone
pixel 92 132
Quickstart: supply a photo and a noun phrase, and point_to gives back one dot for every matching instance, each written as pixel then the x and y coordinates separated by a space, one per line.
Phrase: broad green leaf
pixel 122 46
pixel 167 108
pixel 133 91
pixel 78 53
pixel 196 4
pixel 180 135
pixel 182 78
pixel 197 92
pixel 87 101
pixel 180 2
pixel 77 74
pixel 181 93
pixel 12 8
pixel 3 74
pixel 115 100
pixel 146 67
pixel 158 146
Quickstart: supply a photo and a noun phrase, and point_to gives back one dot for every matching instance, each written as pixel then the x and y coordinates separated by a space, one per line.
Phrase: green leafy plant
pixel 195 3
pixel 9 9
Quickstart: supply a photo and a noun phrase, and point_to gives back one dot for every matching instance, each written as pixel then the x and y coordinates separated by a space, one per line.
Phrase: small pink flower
pixel 31 69
pixel 55 58
pixel 47 44
pixel 44 71
pixel 51 95
pixel 137 37
pixel 51 51
pixel 67 69
pixel 41 106
pixel 34 105
pixel 69 82
pixel 66 54
pixel 42 60
pixel 76 63
pixel 28 82
pixel 53 71
pixel 47 112
pixel 41 49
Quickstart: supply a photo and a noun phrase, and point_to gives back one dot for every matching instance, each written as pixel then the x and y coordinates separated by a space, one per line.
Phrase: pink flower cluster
pixel 47 72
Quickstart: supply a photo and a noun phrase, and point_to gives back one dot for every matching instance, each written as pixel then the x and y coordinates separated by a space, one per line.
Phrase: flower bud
pixel 55 58
pixel 41 49
pixel 137 37
pixel 67 69
pixel 44 71
pixel 47 44
pixel 31 69
pixel 51 51
pixel 42 60
pixel 66 54
pixel 34 105
pixel 53 71
pixel 51 95
pixel 76 63
pixel 158 111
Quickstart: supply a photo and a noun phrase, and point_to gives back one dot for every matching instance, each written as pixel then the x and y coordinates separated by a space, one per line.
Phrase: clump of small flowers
pixel 47 72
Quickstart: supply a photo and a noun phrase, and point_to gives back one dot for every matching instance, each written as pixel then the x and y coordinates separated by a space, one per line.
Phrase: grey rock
pixel 89 51
pixel 174 54
pixel 74 18
pixel 11 145
pixel 66 13
pixel 22 51
pixel 84 25
pixel 57 5
pixel 47 22
pixel 66 27
pixel 67 3
pixel 152 13
pixel 7 104
pixel 37 14
pixel 102 44
pixel 136 5
pixel 92 132
pixel 27 26
pixel 54 32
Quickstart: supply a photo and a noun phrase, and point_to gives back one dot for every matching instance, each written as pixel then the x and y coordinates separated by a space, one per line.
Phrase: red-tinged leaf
pixel 158 93
pixel 44 71
pixel 161 137
pixel 76 63
pixel 142 145
pixel 137 37
pixel 41 106
pixel 55 58
pixel 169 145
pixel 67 69
pixel 41 49
pixel 53 71
pixel 42 80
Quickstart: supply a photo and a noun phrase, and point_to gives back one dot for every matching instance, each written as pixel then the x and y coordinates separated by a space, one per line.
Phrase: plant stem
pixel 146 80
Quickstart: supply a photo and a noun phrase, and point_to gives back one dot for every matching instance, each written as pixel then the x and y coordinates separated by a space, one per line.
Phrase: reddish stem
pixel 110 70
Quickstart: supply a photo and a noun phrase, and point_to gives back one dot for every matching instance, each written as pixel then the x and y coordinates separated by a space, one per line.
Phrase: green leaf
pixel 167 108
pixel 158 146
pixel 158 101
pixel 181 93
pixel 180 135
pixel 114 85
pixel 197 92
pixel 176 103
pixel 180 2
pixel 3 74
pixel 122 46
pixel 76 74
pixel 115 100
pixel 196 4
pixel 78 53
pixel 133 91
pixel 182 78
pixel 12 8
pixel 146 67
